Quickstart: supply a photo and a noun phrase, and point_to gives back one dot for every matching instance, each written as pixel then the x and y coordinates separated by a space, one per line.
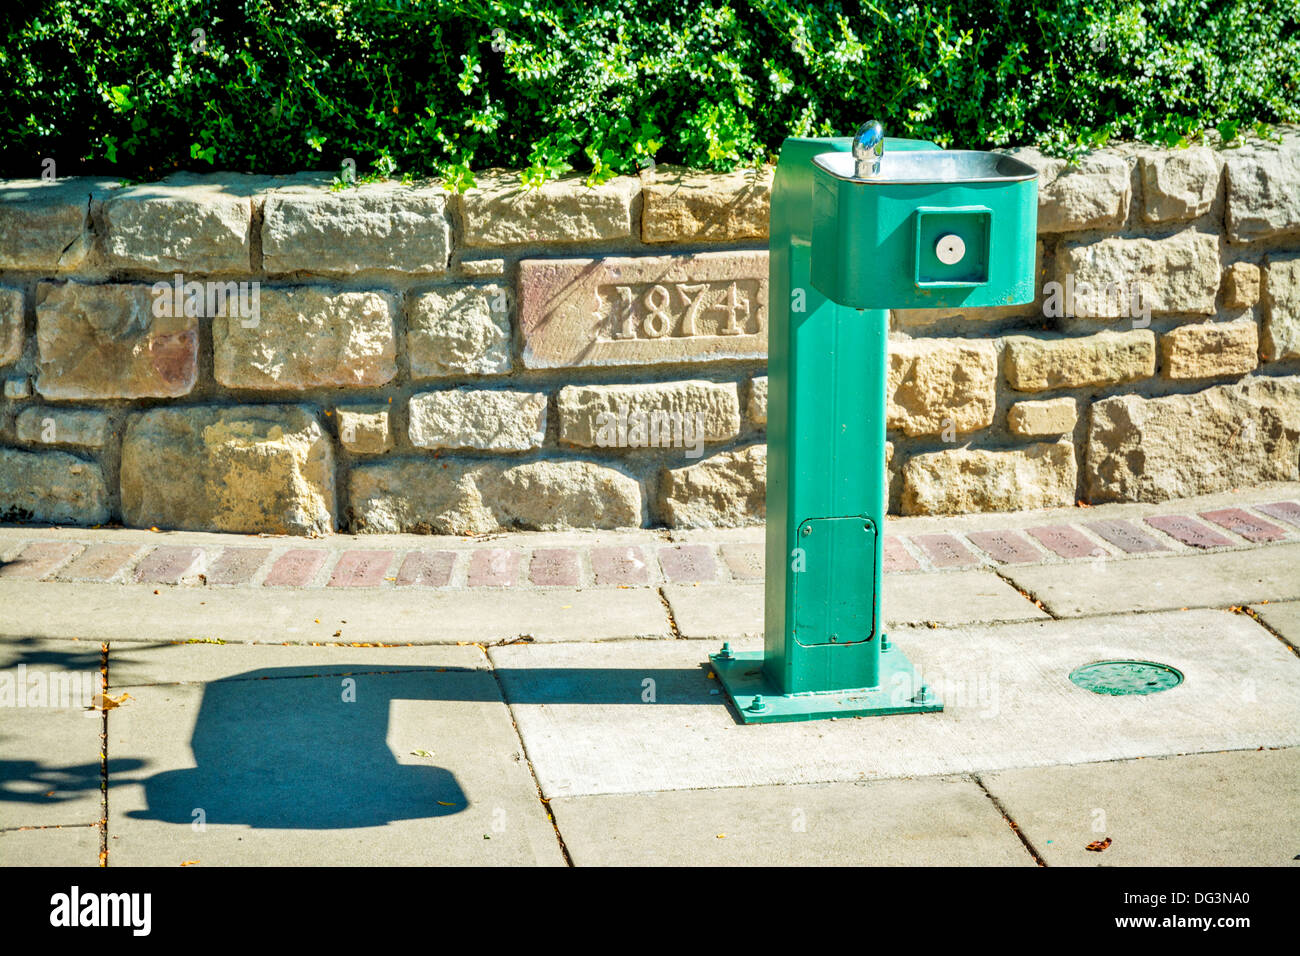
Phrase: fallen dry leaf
pixel 1098 846
pixel 188 862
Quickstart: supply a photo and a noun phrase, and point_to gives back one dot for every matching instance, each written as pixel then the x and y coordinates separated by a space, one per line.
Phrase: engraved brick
pixel 1007 547
pixel 1288 511
pixel 555 567
pixel 99 562
pixel 237 565
pixel 1126 536
pixel 896 557
pixel 1189 531
pixel 1066 541
pixel 945 550
pixel 170 564
pixel 493 567
pixel 745 560
pixel 296 568
pixel 688 562
pixel 1247 525
pixel 39 559
pixel 643 310
pixel 430 569
pixel 360 569
pixel 619 566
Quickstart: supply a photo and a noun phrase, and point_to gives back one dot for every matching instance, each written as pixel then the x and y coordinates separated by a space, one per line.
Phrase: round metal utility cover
pixel 1124 678
pixel 950 250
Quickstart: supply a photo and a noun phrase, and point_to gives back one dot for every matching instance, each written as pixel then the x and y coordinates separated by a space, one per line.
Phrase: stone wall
pixel 397 358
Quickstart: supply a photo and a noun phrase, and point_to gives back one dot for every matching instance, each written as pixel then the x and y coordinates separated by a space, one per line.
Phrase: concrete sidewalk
pixel 401 700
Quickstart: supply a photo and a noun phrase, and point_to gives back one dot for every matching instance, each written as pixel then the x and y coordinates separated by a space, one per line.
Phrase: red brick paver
pixel 430 569
pixel 896 557
pixel 1288 511
pixel 945 550
pixel 1126 536
pixel 39 559
pixel 361 569
pixel 296 568
pixel 169 564
pixel 1065 540
pixel 616 567
pixel 744 560
pixel 1246 525
pixel 555 567
pixel 1008 547
pixel 99 562
pixel 495 567
pixel 688 562
pixel 237 565
pixel 1189 531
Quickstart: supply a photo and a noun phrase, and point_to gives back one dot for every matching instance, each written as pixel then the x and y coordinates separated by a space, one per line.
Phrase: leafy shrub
pixel 139 88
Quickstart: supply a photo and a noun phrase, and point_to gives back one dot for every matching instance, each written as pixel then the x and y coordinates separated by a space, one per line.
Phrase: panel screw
pixel 806 530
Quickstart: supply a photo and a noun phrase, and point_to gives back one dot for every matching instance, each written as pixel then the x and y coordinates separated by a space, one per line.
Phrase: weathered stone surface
pixel 51 486
pixel 461 496
pixel 1263 190
pixel 1241 283
pixel 1093 195
pixel 243 468
pixel 643 310
pixel 18 386
pixel 654 415
pixel 483 268
pixel 937 384
pixel 682 205
pixel 308 337
pixel 487 419
pixel 1210 349
pixel 1041 419
pixel 365 429
pixel 460 330
pixel 758 400
pixel 1281 338
pixel 1178 184
pixel 500 212
pixel 11 325
pixel 77 427
pixel 1107 358
pixel 103 341
pixel 1174 275
pixel 1177 446
pixel 46 225
pixel 184 223
pixel 723 491
pixel 372 226
pixel 961 480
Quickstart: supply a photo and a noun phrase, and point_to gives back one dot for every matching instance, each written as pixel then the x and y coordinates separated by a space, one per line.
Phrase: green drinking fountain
pixel 859 226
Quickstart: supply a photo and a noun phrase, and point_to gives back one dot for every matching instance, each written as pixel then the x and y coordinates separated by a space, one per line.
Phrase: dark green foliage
pixel 129 88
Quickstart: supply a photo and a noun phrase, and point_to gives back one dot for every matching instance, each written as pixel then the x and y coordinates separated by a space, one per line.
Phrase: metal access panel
pixel 835 581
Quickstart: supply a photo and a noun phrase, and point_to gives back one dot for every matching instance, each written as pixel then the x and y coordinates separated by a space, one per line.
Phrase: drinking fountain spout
pixel 868 148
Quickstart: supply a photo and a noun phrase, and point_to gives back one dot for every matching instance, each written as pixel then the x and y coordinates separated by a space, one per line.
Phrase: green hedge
pixel 139 88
